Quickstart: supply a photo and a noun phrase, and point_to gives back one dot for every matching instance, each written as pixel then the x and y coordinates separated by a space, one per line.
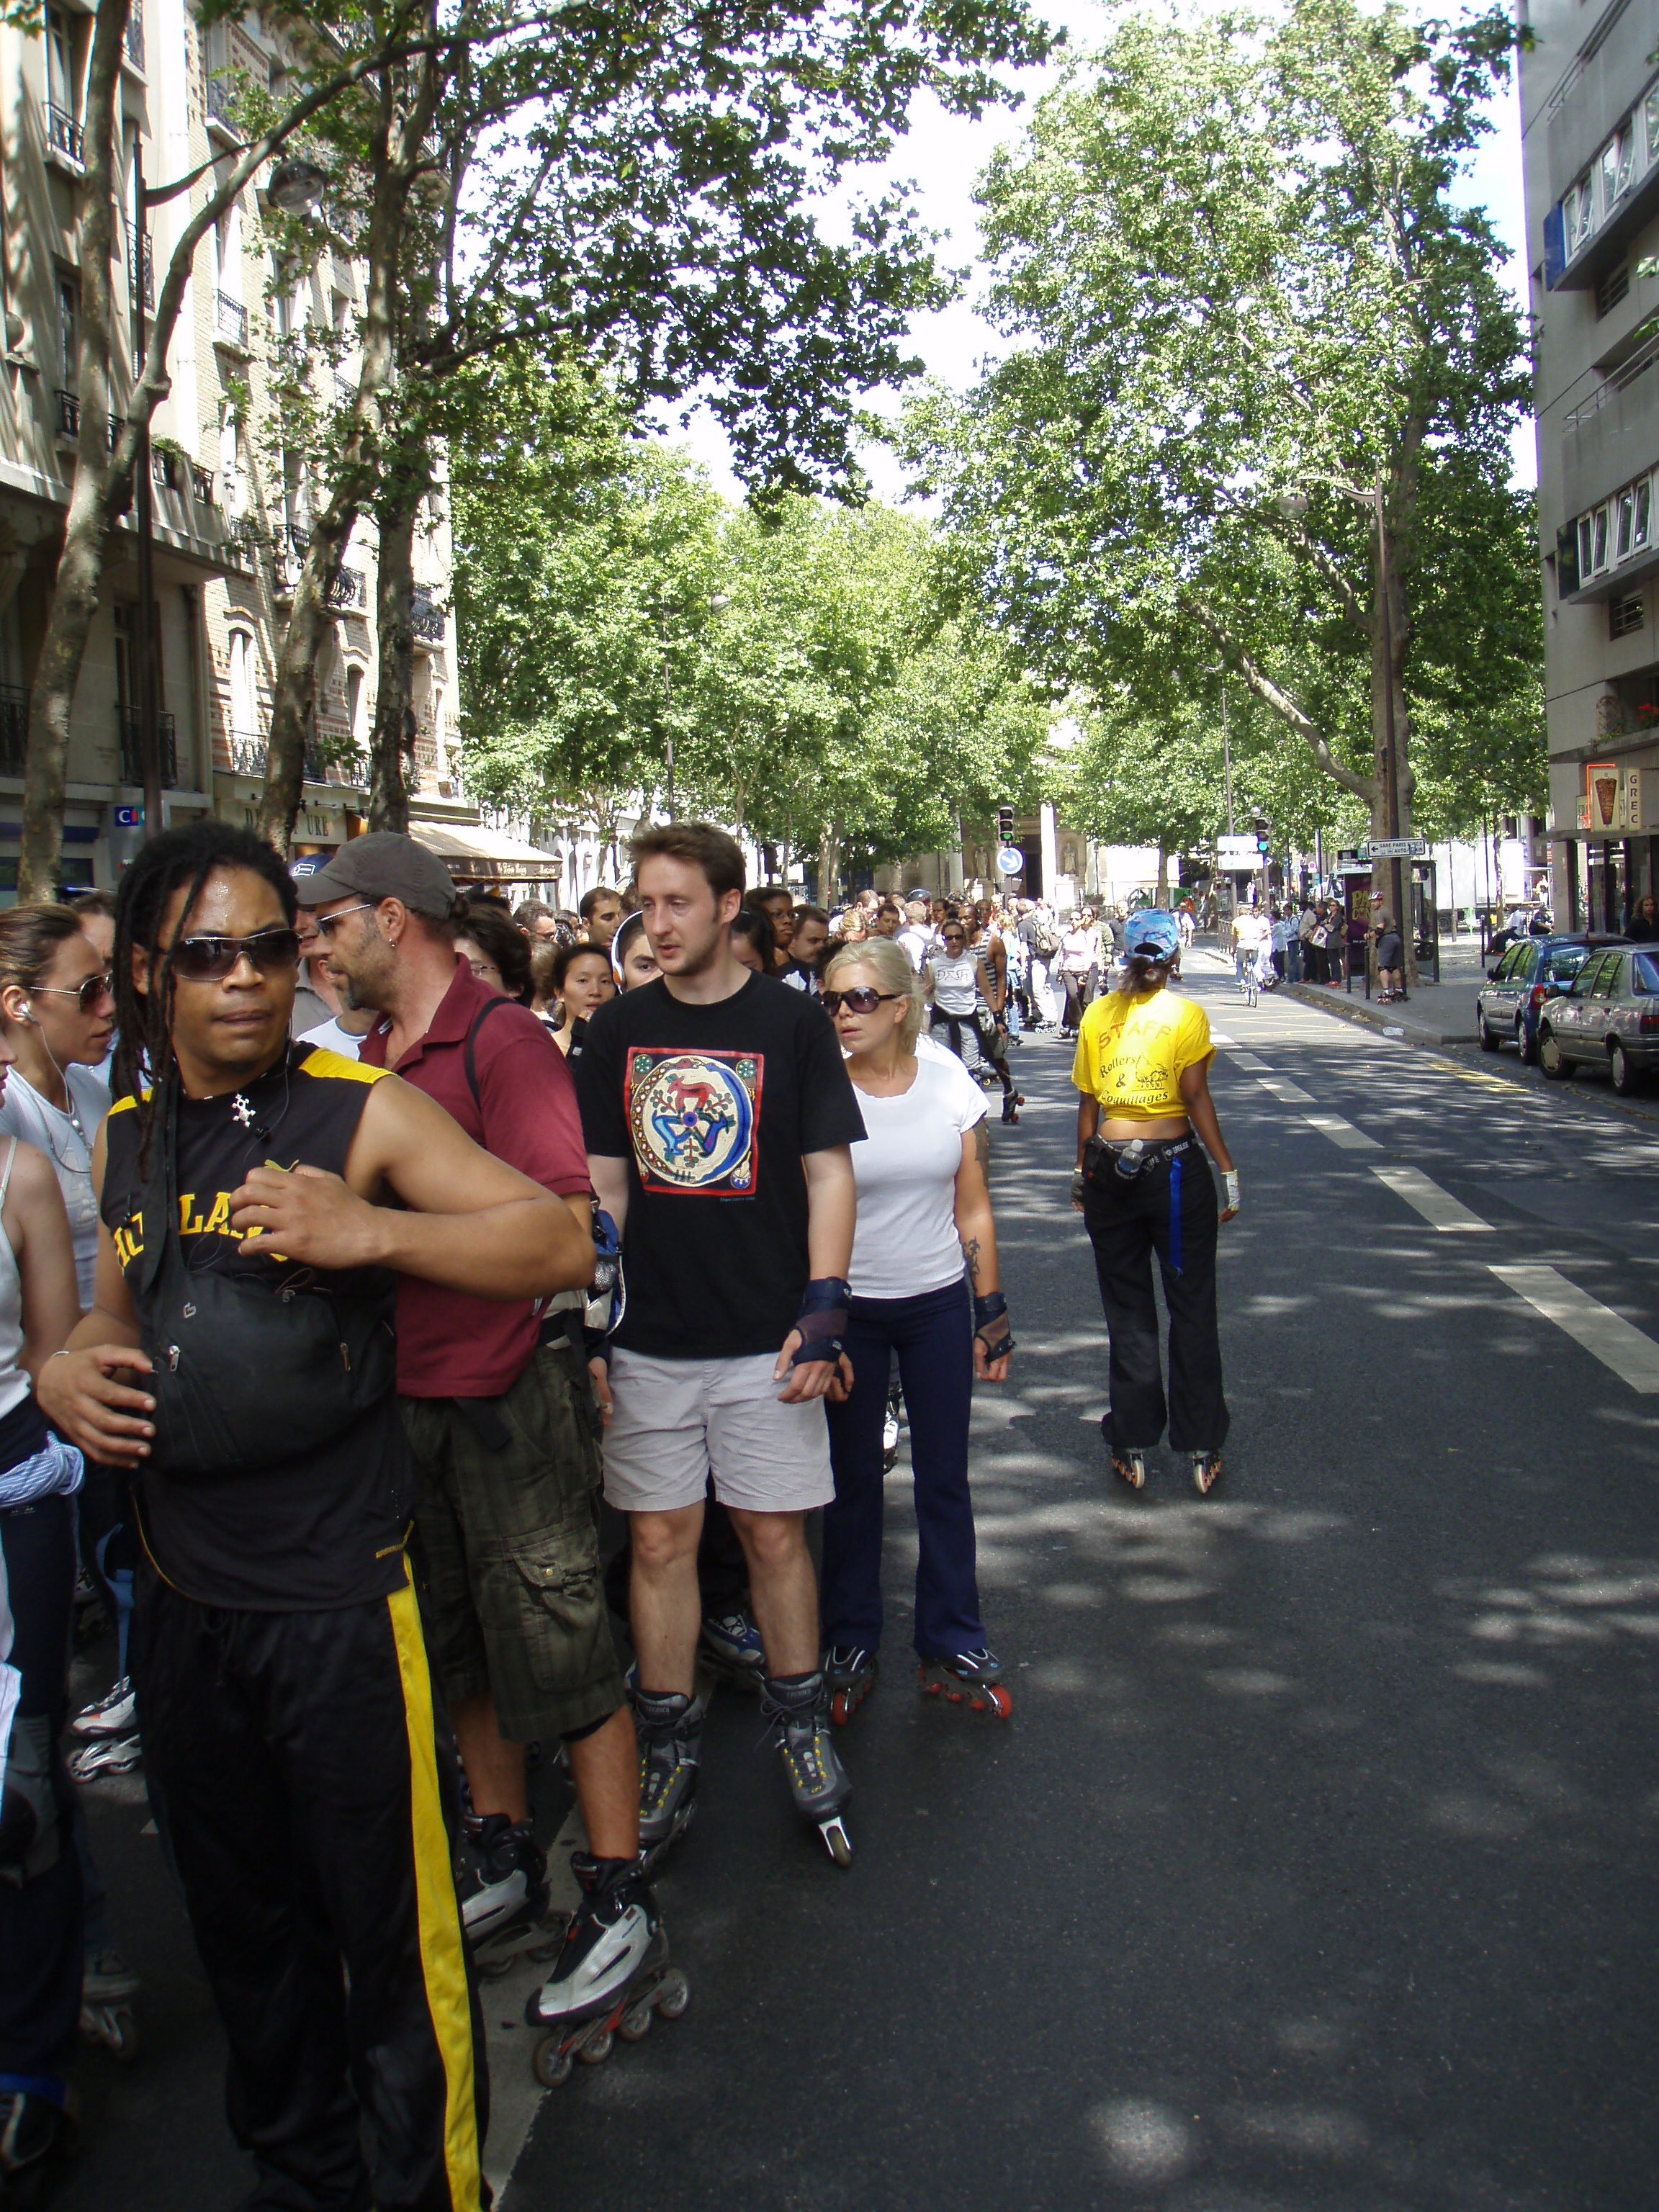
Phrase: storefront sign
pixel 128 818
pixel 1601 790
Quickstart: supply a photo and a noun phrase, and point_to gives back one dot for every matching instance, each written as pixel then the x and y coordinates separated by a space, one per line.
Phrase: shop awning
pixel 474 854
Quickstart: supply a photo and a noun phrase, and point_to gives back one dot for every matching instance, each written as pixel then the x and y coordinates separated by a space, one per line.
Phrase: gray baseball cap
pixel 382 866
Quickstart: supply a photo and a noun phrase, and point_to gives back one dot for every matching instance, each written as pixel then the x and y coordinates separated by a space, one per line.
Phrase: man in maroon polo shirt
pixel 499 1417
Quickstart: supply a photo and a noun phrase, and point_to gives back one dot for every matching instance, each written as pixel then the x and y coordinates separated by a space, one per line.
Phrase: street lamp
pixel 717 603
pixel 296 185
pixel 1294 505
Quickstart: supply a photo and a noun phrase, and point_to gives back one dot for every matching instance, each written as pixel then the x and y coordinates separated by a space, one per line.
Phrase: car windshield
pixel 1644 974
pixel 1566 960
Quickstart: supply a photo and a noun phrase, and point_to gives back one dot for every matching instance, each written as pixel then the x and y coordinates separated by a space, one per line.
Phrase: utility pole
pixel 1402 921
pixel 149 727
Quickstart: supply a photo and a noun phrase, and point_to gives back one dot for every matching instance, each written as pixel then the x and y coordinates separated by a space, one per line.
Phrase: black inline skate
pixel 108 1985
pixel 612 1972
pixel 849 1672
pixel 670 1732
pixel 798 1707
pixel 973 1679
pixel 503 1889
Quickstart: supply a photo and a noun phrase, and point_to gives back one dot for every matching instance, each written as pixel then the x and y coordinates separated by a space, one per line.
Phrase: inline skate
pixel 1206 1471
pixel 611 1975
pixel 973 1679
pixel 850 1673
pixel 669 1729
pixel 732 1645
pixel 36 2135
pixel 503 1890
pixel 108 1985
pixel 798 1706
pixel 1129 1461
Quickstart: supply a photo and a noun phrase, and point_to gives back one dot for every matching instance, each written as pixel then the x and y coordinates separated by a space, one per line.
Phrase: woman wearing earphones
pixel 58 1016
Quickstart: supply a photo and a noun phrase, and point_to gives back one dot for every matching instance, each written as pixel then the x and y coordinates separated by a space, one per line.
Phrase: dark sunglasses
pixel 861 999
pixel 86 995
pixel 210 959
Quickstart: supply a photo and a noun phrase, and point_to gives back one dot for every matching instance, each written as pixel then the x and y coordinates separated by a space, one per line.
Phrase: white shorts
pixel 673 1420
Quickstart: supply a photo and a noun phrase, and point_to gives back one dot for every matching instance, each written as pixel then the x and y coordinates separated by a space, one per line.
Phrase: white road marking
pixel 1617 1343
pixel 1249 1061
pixel 1293 1094
pixel 1220 1036
pixel 1437 1207
pixel 1341 1133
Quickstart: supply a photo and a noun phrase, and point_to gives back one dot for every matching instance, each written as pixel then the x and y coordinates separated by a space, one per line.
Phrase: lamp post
pixel 294 184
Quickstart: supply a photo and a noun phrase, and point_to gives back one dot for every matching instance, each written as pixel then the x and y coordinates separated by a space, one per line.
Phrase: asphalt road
pixel 1315 1866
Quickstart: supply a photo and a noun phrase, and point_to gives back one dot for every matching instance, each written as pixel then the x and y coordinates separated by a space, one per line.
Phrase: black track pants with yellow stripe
pixel 311 1792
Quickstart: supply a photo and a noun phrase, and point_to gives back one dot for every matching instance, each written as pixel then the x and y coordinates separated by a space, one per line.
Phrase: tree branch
pixel 1362 787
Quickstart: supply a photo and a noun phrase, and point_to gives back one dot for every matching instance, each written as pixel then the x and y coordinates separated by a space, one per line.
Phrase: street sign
pixel 129 817
pixel 1394 848
pixel 1240 852
pixel 1354 867
pixel 1011 861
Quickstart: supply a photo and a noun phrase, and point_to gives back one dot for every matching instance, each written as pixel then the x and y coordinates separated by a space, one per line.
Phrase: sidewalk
pixel 1435 1013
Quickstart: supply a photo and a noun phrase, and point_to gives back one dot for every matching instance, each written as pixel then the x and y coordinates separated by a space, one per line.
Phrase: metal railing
pixel 347 589
pixel 249 756
pixel 140 263
pixel 64 134
pixel 220 99
pixel 1610 386
pixel 247 753
pixel 132 757
pixel 345 393
pixel 230 320
pixel 13 727
pixel 201 482
pixel 68 414
pixel 426 620
pixel 132 38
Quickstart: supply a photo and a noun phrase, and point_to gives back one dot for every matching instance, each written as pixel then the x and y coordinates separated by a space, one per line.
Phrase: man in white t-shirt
pixel 917 936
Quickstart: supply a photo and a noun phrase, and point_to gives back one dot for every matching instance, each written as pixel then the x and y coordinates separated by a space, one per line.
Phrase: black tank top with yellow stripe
pixel 326 1528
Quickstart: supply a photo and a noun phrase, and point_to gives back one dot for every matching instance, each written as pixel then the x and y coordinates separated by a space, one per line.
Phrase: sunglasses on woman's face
pixel 86 995
pixel 210 959
pixel 861 999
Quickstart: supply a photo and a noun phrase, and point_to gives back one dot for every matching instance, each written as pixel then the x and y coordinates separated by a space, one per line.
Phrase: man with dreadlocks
pixel 238 1357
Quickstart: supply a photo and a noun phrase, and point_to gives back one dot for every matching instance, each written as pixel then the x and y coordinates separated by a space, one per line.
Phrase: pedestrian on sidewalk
pixel 922 1205
pixel 1390 958
pixel 1143 1186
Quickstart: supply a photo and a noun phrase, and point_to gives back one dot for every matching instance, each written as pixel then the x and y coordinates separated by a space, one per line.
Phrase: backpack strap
pixel 478 1021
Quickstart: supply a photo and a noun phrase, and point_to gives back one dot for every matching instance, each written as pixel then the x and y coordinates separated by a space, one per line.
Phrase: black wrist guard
pixel 992 1325
pixel 822 1321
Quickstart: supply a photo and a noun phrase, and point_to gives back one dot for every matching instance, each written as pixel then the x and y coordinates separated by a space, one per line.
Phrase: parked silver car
pixel 1610 1020
pixel 1527 976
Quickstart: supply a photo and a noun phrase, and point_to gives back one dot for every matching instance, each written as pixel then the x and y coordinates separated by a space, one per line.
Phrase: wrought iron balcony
pixel 68 415
pixel 201 482
pixel 347 590
pixel 132 757
pixel 247 752
pixel 230 322
pixel 64 135
pixel 345 393
pixel 220 100
pixel 426 620
pixel 13 727
pixel 140 263
pixel 132 38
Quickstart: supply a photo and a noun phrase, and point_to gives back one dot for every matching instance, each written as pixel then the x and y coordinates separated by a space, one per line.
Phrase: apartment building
pixel 1590 92
pixel 231 509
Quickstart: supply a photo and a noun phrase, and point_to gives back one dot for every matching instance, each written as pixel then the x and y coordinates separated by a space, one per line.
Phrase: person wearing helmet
pixel 1143 1186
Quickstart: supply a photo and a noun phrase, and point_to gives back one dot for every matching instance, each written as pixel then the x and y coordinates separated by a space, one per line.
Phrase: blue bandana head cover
pixel 1152 931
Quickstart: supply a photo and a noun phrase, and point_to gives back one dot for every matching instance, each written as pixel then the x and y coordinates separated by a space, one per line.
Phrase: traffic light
pixel 1006 824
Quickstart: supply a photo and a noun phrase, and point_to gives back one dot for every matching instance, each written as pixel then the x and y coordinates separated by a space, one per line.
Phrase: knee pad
pixel 30 1839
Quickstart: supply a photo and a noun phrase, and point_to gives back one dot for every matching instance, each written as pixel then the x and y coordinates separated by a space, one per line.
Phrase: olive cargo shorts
pixel 506 1549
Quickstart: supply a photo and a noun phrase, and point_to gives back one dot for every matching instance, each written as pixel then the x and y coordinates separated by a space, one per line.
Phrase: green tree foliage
pixel 803 658
pixel 1236 291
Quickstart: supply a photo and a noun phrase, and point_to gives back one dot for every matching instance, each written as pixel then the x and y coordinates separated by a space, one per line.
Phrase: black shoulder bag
pixel 256 1361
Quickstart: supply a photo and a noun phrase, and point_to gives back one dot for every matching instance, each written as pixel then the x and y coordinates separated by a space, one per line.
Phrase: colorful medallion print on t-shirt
pixel 693 1117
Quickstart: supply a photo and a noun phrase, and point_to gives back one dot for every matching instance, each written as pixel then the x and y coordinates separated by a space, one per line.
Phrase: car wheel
pixel 1550 1057
pixel 1619 1068
pixel 1489 1039
pixel 1523 1042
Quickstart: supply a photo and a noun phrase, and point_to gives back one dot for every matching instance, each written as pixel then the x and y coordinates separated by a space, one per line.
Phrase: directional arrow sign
pixel 1394 848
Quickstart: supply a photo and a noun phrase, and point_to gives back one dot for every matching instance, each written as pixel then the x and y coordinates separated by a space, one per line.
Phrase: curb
pixel 1365 1015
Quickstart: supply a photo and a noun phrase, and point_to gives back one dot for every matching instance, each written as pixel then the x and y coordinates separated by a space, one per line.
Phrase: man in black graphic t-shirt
pixel 237 1359
pixel 718 1118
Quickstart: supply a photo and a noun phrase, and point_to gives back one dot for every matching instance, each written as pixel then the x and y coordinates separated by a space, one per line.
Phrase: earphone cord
pixel 74 1167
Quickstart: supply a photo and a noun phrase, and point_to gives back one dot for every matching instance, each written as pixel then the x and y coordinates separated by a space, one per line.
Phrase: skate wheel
pixel 837 1843
pixel 596 2049
pixel 124 2040
pixel 674 1996
pixel 841 1709
pixel 551 2065
pixel 634 2027
pixel 998 1701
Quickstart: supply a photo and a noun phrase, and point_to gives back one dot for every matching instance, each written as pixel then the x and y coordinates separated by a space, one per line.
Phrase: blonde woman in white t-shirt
pixel 925 1285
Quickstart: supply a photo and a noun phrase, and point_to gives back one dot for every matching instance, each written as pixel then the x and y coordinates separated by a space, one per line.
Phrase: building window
pixel 1577 213
pixel 1618 166
pixel 355 704
pixel 69 331
pixel 62 72
pixel 1624 615
pixel 1650 117
pixel 244 722
pixel 1640 529
pixel 1625 541
pixel 1598 524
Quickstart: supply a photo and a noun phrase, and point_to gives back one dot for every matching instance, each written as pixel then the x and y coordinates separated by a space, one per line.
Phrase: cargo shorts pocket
pixel 558 1620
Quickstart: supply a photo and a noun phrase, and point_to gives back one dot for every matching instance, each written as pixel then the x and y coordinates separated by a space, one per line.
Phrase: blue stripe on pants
pixel 1174 1214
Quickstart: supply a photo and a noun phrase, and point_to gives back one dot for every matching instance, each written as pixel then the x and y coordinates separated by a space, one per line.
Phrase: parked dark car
pixel 1610 1020
pixel 1528 976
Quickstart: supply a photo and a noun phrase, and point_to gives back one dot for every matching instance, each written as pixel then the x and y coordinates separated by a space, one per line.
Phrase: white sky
pixel 944 154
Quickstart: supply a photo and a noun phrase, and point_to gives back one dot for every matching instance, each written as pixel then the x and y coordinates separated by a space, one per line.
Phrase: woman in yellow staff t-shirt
pixel 1142 1186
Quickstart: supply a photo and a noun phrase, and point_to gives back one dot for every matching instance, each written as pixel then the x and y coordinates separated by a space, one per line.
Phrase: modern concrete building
pixel 1590 93
pixel 231 507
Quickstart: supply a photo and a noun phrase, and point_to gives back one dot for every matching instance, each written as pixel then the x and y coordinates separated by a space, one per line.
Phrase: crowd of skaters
pixel 350 1536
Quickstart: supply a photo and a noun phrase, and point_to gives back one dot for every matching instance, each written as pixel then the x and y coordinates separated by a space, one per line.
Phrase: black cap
pixel 383 865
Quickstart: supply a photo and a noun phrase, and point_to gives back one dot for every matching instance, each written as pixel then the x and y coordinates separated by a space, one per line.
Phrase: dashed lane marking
pixel 1248 1062
pixel 1291 1094
pixel 1437 1207
pixel 1342 1132
pixel 1607 1336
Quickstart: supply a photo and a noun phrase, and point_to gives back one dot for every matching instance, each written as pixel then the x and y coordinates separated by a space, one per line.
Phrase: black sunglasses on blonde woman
pixel 861 999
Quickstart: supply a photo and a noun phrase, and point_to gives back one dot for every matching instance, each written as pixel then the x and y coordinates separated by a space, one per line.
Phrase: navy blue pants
pixel 933 1336
pixel 1170 1208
